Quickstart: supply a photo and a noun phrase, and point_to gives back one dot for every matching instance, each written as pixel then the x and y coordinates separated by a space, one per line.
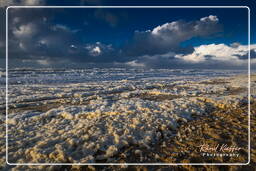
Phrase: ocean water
pixel 63 76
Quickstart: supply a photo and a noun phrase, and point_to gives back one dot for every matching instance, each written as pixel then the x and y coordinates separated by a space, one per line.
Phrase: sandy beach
pixel 158 121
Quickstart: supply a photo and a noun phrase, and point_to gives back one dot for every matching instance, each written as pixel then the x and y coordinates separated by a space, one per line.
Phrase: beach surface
pixel 125 116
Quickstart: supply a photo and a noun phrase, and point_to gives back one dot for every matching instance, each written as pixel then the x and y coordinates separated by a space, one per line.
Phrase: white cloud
pixel 98 48
pixel 73 46
pixel 23 31
pixel 58 27
pixel 135 63
pixel 95 51
pixel 43 62
pixel 204 56
pixel 184 29
pixel 212 18
pixel 167 37
pixel 218 52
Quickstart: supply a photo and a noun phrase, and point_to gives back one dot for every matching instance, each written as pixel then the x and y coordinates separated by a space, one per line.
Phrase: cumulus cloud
pixel 167 37
pixel 99 49
pixel 210 18
pixel 160 47
pixel 182 30
pixel 135 63
pixel 23 31
pixel 34 37
pixel 218 52
pixel 96 51
pixel 204 56
pixel 93 50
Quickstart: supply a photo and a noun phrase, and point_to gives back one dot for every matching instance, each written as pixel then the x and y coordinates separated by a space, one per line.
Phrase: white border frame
pixel 249 93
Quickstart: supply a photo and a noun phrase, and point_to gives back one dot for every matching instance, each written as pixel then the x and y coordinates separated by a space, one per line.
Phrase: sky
pixel 207 38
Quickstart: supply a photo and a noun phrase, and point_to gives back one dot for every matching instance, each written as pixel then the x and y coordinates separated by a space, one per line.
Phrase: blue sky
pixel 123 22
pixel 129 37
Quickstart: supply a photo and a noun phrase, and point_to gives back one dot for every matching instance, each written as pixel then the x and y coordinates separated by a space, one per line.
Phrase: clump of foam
pixel 86 122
